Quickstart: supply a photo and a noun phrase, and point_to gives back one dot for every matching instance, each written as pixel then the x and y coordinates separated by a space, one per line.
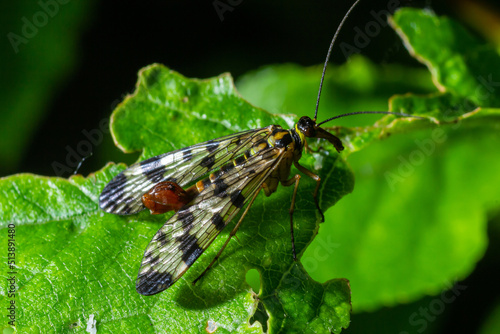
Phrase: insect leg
pixel 287 183
pixel 308 149
pixel 233 232
pixel 318 181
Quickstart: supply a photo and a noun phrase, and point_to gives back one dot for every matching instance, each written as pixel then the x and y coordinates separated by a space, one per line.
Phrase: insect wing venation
pixel 123 194
pixel 185 236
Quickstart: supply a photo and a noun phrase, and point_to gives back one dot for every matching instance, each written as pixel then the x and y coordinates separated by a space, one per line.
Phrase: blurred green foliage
pixel 38 51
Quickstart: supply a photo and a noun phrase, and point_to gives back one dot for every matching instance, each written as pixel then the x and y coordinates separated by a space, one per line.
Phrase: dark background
pixel 189 37
pixel 119 38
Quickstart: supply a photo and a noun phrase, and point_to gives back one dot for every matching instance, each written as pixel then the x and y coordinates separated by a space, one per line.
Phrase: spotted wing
pixel 185 236
pixel 122 195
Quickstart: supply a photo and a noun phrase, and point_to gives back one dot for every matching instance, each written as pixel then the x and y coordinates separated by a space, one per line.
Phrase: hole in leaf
pixel 261 316
pixel 253 279
pixel 74 324
pixel 211 326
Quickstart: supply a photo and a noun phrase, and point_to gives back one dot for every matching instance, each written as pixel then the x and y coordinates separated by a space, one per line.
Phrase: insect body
pixel 167 196
pixel 225 174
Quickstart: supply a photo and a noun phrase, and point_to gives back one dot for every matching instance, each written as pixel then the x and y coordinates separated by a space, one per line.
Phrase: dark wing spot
pixel 152 171
pixel 227 167
pixel 189 247
pixel 237 199
pixel 212 146
pixel 186 217
pixel 192 255
pixel 220 188
pixel 239 161
pixel 113 193
pixel 153 282
pixel 208 162
pixel 218 222
pixel 154 260
pixel 161 237
pixel 152 160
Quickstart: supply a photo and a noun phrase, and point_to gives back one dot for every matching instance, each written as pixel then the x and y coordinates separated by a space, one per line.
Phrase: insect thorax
pixel 287 139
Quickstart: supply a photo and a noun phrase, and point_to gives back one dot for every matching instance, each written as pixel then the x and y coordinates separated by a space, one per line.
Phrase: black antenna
pixel 370 112
pixel 328 55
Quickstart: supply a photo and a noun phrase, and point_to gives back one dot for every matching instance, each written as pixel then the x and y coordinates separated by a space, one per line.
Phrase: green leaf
pixel 459 62
pixel 422 224
pixel 73 261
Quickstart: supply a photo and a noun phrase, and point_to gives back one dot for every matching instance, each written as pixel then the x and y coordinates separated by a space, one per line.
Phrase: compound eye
pixel 307 126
